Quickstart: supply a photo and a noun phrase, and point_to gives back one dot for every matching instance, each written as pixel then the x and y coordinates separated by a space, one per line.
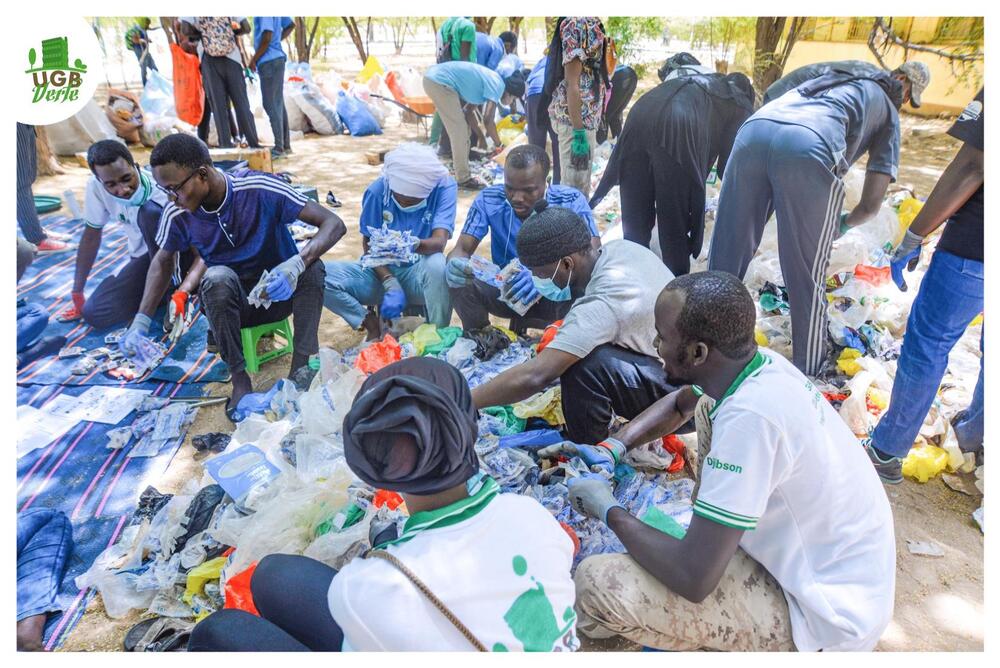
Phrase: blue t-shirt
pixel 249 231
pixel 474 83
pixel 536 80
pixel 489 50
pixel 491 212
pixel 275 24
pixel 851 119
pixel 378 206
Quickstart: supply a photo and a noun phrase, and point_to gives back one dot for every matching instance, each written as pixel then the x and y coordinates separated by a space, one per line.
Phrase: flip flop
pixel 157 634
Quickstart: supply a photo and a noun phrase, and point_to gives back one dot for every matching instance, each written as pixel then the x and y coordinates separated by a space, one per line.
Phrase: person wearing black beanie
pixel 603 354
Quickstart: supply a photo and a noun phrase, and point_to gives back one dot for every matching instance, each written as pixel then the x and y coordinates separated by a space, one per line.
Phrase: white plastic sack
pixel 263 124
pixel 329 85
pixel 321 113
pixel 297 121
pixel 158 95
pixel 79 131
pixel 411 82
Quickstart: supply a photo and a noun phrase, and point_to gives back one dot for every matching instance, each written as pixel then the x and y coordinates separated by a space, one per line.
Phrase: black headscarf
pixel 427 399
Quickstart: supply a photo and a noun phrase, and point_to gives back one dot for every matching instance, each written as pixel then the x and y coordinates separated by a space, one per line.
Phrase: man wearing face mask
pixel 414 194
pixel 791 544
pixel 118 191
pixel 790 158
pixel 500 210
pixel 603 354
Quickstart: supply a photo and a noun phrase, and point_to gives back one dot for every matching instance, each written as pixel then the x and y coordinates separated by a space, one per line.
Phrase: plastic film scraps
pixel 379 354
pixel 546 405
pixel 389 247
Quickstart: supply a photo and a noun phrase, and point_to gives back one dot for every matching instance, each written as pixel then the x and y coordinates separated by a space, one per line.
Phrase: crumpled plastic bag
pixel 237 591
pixel 286 518
pixel 534 439
pixel 500 421
pixel 924 462
pixel 337 548
pixel 847 363
pixel 423 336
pixel 389 247
pixel 323 408
pixel 460 355
pixel 448 336
pixel 379 354
pixel 546 405
pixel 201 574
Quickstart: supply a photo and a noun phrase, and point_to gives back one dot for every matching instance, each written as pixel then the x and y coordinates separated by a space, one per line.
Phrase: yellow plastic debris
pixel 546 405
pixel 878 398
pixel 423 336
pixel 924 462
pixel 202 574
pixel 978 320
pixel 371 68
pixel 847 362
pixel 509 334
pixel 760 337
pixel 907 211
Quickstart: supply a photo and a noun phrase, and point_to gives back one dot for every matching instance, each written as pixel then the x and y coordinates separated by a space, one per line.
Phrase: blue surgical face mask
pixel 141 194
pixel 422 204
pixel 548 289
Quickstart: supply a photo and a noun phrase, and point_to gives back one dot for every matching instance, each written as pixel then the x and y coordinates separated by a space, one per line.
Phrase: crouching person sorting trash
pixel 603 354
pixel 238 224
pixel 472 568
pixel 500 210
pixel 414 196
pixel 791 545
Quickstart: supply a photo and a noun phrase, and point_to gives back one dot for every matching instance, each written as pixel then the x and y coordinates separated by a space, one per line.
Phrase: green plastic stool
pixel 250 336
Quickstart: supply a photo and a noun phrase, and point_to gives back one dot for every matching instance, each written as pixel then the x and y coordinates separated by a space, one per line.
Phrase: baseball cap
pixel 920 77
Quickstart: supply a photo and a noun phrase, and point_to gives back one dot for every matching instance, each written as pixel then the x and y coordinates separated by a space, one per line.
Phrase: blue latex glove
pixel 137 331
pixel 285 278
pixel 907 255
pixel 603 456
pixel 458 272
pixel 521 288
pixel 394 300
pixel 591 495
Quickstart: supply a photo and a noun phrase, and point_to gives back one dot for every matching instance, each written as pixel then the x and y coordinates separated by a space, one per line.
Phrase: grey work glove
pixel 591 494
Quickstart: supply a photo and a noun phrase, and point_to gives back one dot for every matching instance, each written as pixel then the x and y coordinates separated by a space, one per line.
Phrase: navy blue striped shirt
pixel 491 212
pixel 247 233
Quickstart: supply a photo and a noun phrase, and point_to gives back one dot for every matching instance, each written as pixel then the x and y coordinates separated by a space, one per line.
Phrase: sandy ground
pixel 939 601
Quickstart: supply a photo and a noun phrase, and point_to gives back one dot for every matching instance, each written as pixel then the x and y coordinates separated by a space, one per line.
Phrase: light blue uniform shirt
pixel 474 83
pixel 275 24
pixel 491 212
pixel 489 50
pixel 378 206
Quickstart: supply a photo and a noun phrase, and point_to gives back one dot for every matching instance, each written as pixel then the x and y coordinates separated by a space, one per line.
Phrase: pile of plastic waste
pixel 389 247
pixel 280 484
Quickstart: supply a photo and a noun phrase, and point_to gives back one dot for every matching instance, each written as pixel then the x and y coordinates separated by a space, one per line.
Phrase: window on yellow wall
pixel 959 29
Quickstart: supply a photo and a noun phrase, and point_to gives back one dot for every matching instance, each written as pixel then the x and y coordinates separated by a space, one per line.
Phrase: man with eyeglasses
pixel 118 191
pixel 238 223
pixel 500 210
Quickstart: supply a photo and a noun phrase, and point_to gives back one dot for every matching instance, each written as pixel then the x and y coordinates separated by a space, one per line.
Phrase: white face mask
pixel 141 194
pixel 422 204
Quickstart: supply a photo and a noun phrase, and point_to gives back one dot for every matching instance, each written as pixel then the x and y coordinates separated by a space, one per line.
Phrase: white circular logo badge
pixel 59 63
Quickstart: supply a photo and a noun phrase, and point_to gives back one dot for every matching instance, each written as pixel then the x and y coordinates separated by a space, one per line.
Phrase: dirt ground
pixel 939 601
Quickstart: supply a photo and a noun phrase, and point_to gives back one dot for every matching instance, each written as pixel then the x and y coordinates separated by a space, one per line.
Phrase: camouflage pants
pixel 746 612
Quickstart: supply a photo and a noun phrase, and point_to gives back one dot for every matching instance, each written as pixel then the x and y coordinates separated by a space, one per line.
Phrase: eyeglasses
pixel 174 191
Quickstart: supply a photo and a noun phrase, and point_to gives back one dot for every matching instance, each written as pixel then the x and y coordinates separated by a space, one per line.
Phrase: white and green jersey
pixel 500 562
pixel 784 467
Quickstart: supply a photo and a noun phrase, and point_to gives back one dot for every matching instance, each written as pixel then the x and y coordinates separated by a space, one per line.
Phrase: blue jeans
pixel 44 543
pixel 272 91
pixel 950 296
pixel 350 288
pixel 32 319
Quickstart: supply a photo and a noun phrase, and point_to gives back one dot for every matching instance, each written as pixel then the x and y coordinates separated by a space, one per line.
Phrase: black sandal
pixel 158 634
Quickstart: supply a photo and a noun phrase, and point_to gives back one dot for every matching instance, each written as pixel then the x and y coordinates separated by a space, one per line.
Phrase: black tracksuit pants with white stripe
pixel 788 170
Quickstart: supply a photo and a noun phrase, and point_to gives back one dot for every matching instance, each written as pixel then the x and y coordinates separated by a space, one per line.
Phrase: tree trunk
pixel 47 163
pixel 769 60
pixel 484 23
pixel 301 39
pixel 514 23
pixel 352 30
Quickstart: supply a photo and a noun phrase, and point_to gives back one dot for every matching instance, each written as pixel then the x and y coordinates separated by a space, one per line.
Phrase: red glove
pixel 74 311
pixel 674 446
pixel 179 301
pixel 177 314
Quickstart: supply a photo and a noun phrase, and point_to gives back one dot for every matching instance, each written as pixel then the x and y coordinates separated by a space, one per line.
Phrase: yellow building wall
pixel 945 95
